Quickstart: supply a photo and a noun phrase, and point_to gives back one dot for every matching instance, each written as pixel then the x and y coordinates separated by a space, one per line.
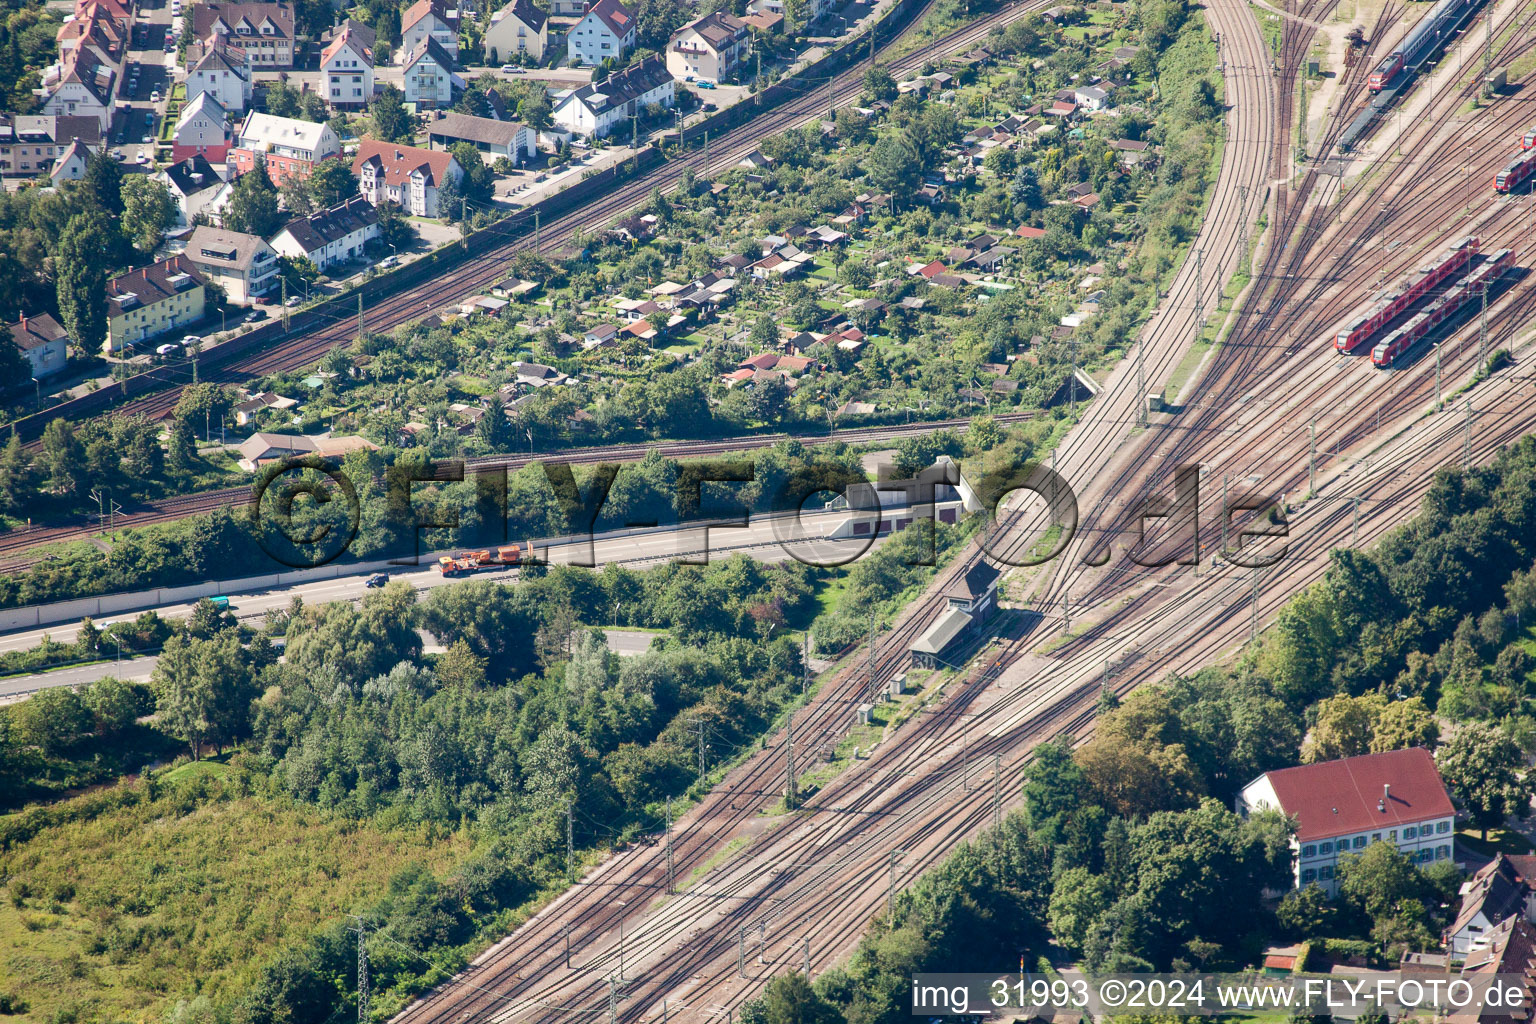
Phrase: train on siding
pixel 1399 342
pixel 1516 173
pixel 1389 305
pixel 1427 37
pixel 1393 75
pixel 1529 141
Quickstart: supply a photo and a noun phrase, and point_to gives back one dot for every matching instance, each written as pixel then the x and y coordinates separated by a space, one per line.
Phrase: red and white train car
pixel 1442 309
pixel 1389 305
pixel 1529 141
pixel 1516 173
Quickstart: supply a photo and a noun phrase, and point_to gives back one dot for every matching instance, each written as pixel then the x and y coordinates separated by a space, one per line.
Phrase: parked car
pixel 378 579
pixel 142 158
pixel 293 300
pixel 386 263
pixel 509 69
pixel 708 108
pixel 117 154
pixel 705 85
pixel 254 315
pixel 689 78
pixel 168 348
pixel 154 97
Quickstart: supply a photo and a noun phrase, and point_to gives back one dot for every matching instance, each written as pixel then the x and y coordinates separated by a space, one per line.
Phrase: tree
pixel 148 211
pixel 181 449
pixel 768 398
pixel 331 183
pixel 1344 727
pixel 879 85
pixel 494 428
pixel 80 278
pixel 101 186
pixel 893 165
pixel 1024 190
pixel 202 690
pixel 391 121
pixel 299 271
pixel 1305 913
pixel 15 475
pixel 478 183
pixel 789 999
pixel 51 720
pixel 64 458
pixel 1405 723
pixel 1483 768
pixel 765 332
pixel 252 207
pixel 113 705
pixel 395 231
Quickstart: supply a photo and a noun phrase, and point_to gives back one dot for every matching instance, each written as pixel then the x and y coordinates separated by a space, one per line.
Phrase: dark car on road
pixel 378 579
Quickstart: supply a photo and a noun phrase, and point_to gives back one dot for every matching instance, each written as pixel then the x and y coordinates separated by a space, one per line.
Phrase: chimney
pixel 1386 791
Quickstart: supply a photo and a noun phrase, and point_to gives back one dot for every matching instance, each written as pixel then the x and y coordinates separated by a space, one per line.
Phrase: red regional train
pixel 1516 172
pixel 1442 309
pixel 1529 142
pixel 1389 305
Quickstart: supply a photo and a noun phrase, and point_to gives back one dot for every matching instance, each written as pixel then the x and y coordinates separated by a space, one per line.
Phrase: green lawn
pixel 116 915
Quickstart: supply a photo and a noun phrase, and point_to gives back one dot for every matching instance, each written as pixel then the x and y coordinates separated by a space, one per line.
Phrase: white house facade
pixel 607 30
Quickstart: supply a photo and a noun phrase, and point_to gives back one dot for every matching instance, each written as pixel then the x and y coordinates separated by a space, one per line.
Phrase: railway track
pixel 912 796
pixel 526 970
pixel 14 543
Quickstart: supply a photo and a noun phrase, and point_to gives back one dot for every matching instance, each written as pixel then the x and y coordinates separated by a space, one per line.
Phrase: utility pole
pixel 1312 458
pixel 567 930
pixel 789 761
pixel 701 747
pixel 1066 610
pixel 570 841
pixel 1487 53
pixel 706 154
pixel 1437 376
pixel 1199 293
pixel 613 1001
pixel 1482 330
pixel 1141 386
pixel 871 44
pixel 965 752
pixel 1242 205
pixel 1223 515
pixel 805 661
pixel 997 790
pixel 870 655
pixel 671 886
pixel 464 224
pixel 741 951
pixel 284 282
pixel 807 971
pixel 538 237
pixel 359 315
pixel 1466 439
pixel 362 971
pixel 1253 628
pixel 890 892
pixel 1354 530
pixel 831 104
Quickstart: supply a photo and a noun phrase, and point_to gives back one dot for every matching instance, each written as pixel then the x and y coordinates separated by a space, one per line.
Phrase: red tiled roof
pixel 400 162
pixel 1338 797
pixel 1028 232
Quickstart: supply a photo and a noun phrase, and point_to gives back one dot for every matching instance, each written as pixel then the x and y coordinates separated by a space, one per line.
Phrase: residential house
pixel 261 449
pixel 1501 889
pixel 404 175
pixel 711 48
pixel 98 28
pixel 600 336
pixel 491 137
pixel 82 85
pixel 811 11
pixel 152 300
pixel 290 147
pixel 428 19
pixel 331 236
pixel 429 77
pixel 71 164
pixel 243 265
pixel 1092 97
pixel 193 183
pixel 346 70
pixel 254 405
pixel 43 343
pixel 201 130
pixel 223 72
pixel 519 28
pixel 595 110
pixel 264 31
pixel 30 144
pixel 606 31
pixel 1343 806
